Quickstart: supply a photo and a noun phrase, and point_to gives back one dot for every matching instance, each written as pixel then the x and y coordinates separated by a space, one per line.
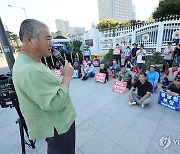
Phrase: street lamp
pixel 19 8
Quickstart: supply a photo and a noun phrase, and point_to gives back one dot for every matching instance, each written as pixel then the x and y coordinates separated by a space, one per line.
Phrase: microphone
pixel 57 54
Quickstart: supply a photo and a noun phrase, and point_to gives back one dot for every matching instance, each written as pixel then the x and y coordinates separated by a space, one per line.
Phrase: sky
pixel 79 13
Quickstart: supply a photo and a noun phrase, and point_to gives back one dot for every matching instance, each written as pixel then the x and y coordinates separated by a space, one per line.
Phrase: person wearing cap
pixel 168 54
pixel 133 53
pixel 153 76
pixel 170 74
pixel 143 95
pixel 87 53
pixel 140 55
pixel 125 76
pixel 89 71
pixel 174 88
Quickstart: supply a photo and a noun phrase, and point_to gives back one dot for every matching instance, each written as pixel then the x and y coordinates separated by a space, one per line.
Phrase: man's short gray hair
pixel 31 27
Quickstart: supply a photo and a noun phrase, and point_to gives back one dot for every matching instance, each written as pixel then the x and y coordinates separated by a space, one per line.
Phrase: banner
pixel 75 74
pixel 100 77
pixel 116 51
pixel 111 73
pixel 127 52
pixel 119 86
pixel 57 72
pixel 171 102
pixel 95 63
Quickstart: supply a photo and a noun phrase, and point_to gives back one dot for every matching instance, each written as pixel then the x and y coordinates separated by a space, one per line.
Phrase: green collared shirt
pixel 126 76
pixel 44 102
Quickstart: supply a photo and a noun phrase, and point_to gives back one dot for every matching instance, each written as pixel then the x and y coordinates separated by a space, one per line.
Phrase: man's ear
pixel 28 38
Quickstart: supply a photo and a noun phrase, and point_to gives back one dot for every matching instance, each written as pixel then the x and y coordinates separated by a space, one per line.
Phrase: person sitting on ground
pixel 135 71
pixel 174 88
pixel 115 67
pixel 104 70
pixel 170 74
pixel 76 61
pixel 96 61
pixel 143 95
pixel 78 69
pixel 89 71
pixel 153 76
pixel 125 76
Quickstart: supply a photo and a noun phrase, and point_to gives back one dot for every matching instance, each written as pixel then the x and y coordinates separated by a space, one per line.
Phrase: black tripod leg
pixel 32 144
pixel 22 136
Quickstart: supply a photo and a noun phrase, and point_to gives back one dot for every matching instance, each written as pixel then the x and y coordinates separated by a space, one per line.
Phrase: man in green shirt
pixel 44 101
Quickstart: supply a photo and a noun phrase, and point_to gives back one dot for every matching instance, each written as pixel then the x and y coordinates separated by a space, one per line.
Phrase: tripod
pixel 8 94
pixel 22 128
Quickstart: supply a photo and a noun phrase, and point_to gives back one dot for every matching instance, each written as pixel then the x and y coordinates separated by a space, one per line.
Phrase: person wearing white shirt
pixel 141 57
pixel 89 71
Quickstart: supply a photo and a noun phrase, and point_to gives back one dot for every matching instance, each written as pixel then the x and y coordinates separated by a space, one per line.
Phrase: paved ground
pixel 105 124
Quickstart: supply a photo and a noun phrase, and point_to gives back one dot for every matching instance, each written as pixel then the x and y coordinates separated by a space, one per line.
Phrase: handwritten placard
pixel 171 102
pixel 111 73
pixel 116 51
pixel 100 77
pixel 119 86
pixel 57 72
pixel 75 74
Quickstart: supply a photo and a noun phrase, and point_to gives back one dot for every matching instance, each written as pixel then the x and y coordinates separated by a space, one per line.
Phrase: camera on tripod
pixel 8 98
pixel 7 92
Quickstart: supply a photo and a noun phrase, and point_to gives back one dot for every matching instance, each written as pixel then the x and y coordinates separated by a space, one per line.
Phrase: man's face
pixel 142 78
pixel 123 69
pixel 175 68
pixel 177 82
pixel 102 66
pixel 169 45
pixel 43 46
pixel 152 69
pixel 114 63
pixel 134 46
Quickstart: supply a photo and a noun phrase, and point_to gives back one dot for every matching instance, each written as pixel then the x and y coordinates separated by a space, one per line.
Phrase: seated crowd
pixel 134 74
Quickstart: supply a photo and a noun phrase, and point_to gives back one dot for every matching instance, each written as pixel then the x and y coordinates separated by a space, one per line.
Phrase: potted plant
pixel 157 60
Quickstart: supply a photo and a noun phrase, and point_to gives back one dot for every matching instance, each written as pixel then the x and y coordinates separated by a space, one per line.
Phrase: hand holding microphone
pixel 57 54
pixel 67 71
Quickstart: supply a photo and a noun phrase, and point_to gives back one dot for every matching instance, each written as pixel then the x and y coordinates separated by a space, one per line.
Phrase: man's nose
pixel 50 43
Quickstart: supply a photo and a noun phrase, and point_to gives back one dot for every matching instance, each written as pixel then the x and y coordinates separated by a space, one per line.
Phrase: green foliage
pixel 167 8
pixel 107 24
pixel 156 58
pixel 108 58
pixel 74 46
pixel 14 40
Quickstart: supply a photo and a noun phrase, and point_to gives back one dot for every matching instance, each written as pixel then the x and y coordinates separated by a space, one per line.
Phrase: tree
pixel 14 40
pixel 108 58
pixel 107 24
pixel 167 8
pixel 74 46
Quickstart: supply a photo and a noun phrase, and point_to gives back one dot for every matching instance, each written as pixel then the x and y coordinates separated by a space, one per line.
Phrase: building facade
pixel 62 26
pixel 121 10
